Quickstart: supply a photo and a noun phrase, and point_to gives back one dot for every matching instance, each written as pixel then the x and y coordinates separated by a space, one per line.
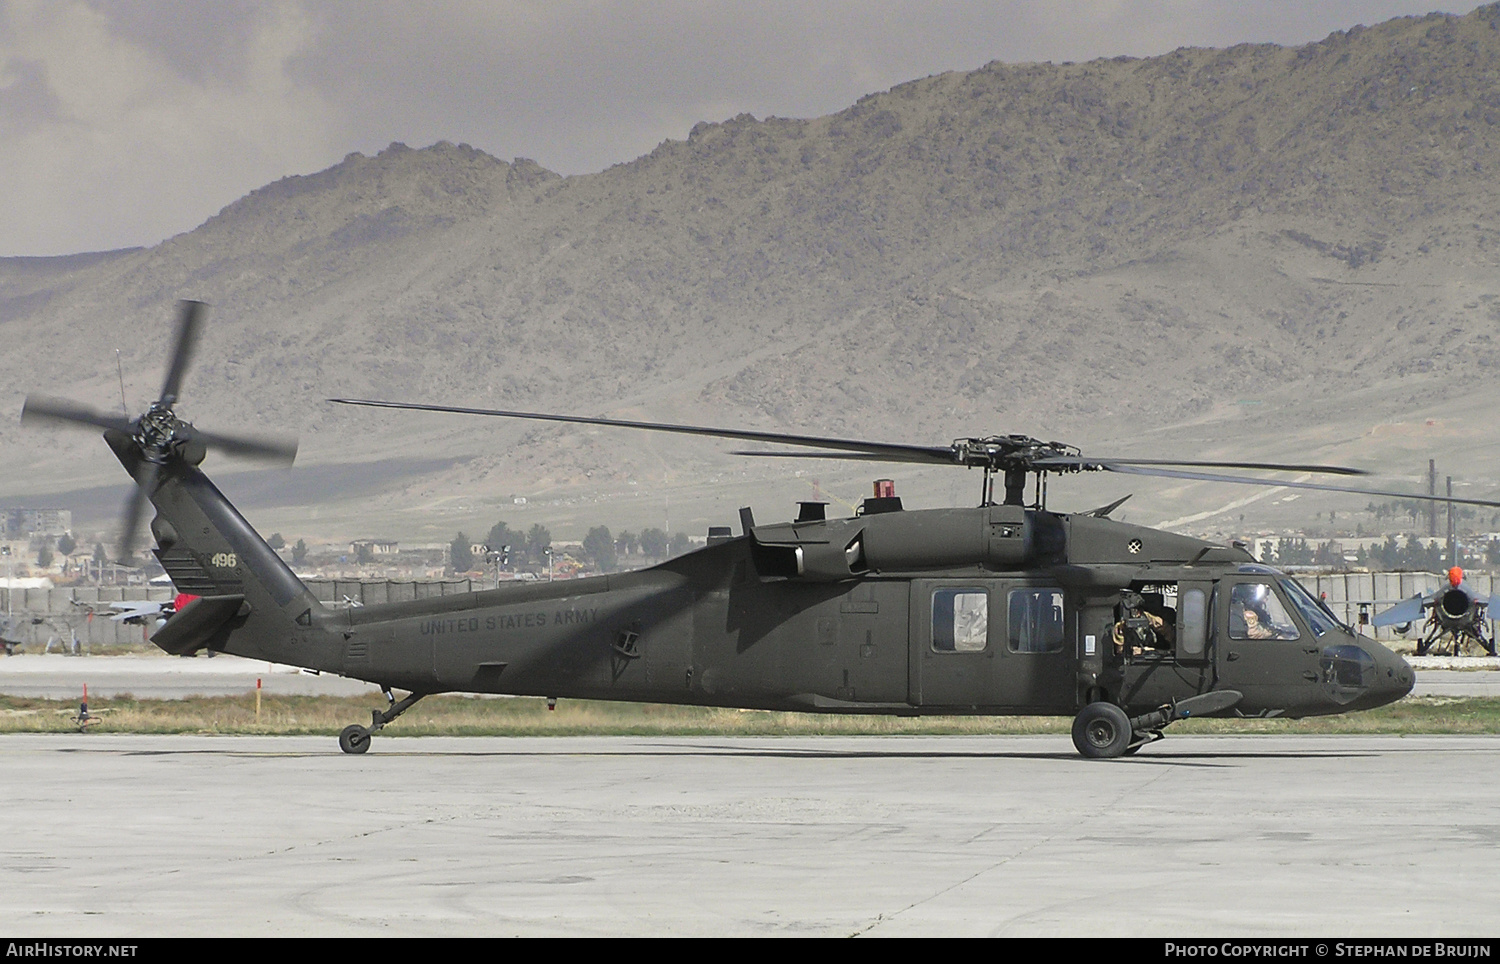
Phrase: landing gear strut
pixel 1102 731
pixel 356 738
pixel 1465 640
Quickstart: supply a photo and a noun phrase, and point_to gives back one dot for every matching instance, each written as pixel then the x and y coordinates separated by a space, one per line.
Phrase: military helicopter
pixel 1455 615
pixel 1004 608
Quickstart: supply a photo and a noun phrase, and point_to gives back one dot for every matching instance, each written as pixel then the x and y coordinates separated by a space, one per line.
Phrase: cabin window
pixel 1149 630
pixel 960 620
pixel 1192 612
pixel 1036 620
pixel 1255 612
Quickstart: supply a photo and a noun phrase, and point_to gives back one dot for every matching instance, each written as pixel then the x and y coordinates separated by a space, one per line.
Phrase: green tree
pixel 299 552
pixel 1389 554
pixel 679 544
pixel 101 557
pixel 276 542
pixel 44 554
pixel 65 544
pixel 654 543
pixel 364 555
pixel 459 553
pixel 502 535
pixel 538 539
pixel 599 547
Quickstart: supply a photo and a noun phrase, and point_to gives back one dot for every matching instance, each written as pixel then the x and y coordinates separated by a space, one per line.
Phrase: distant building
pixel 18 523
pixel 376 547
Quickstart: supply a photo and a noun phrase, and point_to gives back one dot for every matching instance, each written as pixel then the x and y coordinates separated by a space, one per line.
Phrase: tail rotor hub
pixel 158 430
pixel 159 435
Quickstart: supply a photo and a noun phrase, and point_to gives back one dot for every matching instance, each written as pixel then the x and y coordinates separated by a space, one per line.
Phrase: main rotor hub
pixel 1014 453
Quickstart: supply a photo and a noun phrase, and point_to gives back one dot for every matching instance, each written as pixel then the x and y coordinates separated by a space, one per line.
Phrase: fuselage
pixel 706 629
pixel 990 610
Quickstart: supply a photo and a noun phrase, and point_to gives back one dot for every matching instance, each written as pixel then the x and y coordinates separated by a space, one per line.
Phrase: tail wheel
pixel 1101 731
pixel 354 739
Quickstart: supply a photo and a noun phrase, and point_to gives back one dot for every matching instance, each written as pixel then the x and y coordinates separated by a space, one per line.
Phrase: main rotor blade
pixel 935 456
pixel 1246 480
pixel 1264 466
pixel 945 456
pixel 893 451
pixel 43 408
pixel 182 351
pixel 283 450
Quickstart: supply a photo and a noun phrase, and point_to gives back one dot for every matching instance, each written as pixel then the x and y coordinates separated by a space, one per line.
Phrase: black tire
pixel 1101 731
pixel 354 739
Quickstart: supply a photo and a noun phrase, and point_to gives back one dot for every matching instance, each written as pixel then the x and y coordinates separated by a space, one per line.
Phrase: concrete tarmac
pixel 875 836
pixel 154 676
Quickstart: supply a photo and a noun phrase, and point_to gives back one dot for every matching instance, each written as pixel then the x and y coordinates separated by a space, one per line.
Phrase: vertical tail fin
pixel 251 603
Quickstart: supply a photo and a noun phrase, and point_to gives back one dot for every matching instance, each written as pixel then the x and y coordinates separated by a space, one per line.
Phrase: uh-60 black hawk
pixel 1004 608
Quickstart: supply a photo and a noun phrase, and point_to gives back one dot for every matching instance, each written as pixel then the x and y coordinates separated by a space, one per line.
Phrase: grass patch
pixel 524 716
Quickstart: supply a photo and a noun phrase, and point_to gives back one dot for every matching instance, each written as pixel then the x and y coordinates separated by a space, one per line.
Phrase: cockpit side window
pixel 1256 612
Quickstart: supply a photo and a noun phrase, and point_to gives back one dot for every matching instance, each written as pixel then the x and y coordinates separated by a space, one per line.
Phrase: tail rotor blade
pixel 146 478
pixel 279 450
pixel 43 408
pixel 188 325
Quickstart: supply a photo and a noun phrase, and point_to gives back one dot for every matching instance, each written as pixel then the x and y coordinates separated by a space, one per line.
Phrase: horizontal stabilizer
pixel 192 628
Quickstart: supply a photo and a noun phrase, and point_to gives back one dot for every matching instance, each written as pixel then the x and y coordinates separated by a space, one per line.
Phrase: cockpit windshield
pixel 1317 615
pixel 1255 612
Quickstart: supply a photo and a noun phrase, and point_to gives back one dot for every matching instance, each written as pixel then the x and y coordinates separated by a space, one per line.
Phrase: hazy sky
pixel 123 122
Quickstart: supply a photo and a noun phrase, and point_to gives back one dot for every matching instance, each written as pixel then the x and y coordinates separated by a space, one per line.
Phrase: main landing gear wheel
pixel 1102 731
pixel 354 739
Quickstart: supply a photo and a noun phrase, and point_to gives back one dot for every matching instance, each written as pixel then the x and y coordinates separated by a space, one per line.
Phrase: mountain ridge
pixel 1195 249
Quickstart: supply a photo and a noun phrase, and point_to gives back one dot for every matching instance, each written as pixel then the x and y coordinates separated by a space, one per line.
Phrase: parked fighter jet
pixel 1456 614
